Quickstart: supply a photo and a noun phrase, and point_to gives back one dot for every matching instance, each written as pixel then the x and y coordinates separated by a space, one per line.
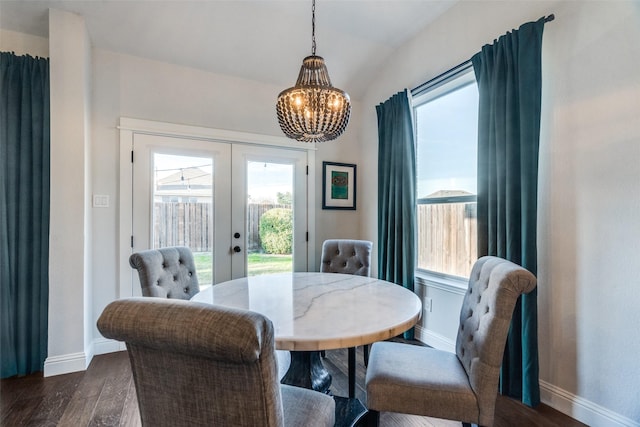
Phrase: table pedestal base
pixel 350 412
pixel 306 370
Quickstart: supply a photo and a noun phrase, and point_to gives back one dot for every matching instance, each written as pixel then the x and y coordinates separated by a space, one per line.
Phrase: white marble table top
pixel 321 311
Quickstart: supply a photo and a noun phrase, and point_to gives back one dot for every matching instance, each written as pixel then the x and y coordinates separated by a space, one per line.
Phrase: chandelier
pixel 313 110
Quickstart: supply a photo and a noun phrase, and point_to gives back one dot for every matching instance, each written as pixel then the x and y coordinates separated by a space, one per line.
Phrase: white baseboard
pixel 74 362
pixel 66 363
pixel 582 409
pixel 434 340
pixel 104 346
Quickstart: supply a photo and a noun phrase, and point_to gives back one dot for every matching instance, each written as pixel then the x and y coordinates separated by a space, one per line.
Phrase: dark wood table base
pixel 350 412
pixel 306 370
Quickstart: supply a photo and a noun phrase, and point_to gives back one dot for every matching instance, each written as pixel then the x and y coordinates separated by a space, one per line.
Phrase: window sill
pixel 446 283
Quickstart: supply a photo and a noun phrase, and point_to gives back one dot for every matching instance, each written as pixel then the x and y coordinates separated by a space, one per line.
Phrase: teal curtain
pixel 508 73
pixel 396 193
pixel 24 213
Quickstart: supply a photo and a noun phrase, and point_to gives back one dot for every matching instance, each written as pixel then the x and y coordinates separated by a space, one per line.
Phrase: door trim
pixel 128 127
pixel 221 135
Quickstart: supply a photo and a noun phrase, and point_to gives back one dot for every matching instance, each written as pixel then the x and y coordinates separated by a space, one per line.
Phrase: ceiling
pixel 262 40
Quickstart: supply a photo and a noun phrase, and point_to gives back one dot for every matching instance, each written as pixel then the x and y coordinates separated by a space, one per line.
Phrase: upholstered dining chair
pixel 171 273
pixel 189 371
pixel 166 272
pixel 348 256
pixel 460 386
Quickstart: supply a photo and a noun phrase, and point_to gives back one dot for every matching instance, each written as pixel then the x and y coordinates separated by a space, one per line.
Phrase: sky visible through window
pixel 265 179
pixel 447 129
pixel 169 164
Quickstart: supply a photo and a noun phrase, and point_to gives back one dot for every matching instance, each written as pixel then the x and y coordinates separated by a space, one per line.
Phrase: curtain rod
pixel 441 78
pixel 457 69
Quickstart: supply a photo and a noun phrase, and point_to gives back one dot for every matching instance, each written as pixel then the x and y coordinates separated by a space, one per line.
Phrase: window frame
pixel 447 82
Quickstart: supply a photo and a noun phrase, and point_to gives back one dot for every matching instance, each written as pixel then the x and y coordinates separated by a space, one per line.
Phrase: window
pixel 446 124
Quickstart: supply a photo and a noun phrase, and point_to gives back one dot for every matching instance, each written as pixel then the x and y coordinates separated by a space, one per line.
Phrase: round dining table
pixel 320 311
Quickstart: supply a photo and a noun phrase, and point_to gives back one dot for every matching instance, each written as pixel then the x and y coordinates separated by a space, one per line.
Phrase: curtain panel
pixel 508 73
pixel 24 213
pixel 396 193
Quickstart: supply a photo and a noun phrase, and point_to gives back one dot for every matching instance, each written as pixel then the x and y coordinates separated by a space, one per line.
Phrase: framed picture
pixel 338 186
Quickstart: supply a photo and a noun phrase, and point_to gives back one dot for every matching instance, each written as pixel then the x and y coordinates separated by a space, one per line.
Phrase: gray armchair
pixel 171 273
pixel 190 371
pixel 460 386
pixel 348 256
pixel 166 272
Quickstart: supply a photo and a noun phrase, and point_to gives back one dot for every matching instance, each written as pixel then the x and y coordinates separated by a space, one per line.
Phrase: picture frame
pixel 338 186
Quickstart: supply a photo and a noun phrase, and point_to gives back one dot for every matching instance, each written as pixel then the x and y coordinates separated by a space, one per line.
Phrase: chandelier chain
pixel 313 27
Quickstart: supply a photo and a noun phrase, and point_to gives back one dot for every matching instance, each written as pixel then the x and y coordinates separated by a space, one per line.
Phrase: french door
pixel 212 196
pixel 268 183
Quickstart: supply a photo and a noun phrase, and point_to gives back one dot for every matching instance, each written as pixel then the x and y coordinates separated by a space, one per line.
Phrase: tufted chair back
pixel 166 272
pixel 190 371
pixel 346 256
pixel 494 287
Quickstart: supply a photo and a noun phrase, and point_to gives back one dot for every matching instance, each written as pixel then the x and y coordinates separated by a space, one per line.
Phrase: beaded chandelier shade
pixel 313 110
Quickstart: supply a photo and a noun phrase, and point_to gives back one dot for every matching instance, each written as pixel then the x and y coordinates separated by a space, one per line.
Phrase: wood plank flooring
pixel 104 395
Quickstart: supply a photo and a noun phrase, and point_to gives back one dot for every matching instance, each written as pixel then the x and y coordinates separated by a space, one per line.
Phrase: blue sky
pixel 447 142
pixel 265 180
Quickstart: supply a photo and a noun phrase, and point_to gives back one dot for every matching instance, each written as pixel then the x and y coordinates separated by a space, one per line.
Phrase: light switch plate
pixel 100 201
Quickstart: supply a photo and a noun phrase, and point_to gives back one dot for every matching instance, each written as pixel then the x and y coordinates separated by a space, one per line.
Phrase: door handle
pixel 236 249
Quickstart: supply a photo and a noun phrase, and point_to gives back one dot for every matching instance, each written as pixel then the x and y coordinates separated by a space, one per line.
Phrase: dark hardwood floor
pixel 104 395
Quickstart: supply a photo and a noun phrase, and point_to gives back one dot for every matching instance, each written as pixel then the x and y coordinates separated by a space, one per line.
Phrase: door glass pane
pixel 183 208
pixel 269 218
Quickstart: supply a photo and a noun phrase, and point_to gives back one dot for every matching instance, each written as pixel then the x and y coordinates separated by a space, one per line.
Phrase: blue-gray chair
pixel 346 256
pixel 197 364
pixel 166 272
pixel 460 386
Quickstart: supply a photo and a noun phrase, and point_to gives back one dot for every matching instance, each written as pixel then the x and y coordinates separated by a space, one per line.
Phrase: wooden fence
pixel 183 224
pixel 447 237
pixel 447 232
pixel 188 224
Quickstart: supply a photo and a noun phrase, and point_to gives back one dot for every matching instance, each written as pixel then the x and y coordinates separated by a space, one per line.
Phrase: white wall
pixel 589 201
pixel 69 241
pixel 334 224
pixel 589 211
pixel 23 44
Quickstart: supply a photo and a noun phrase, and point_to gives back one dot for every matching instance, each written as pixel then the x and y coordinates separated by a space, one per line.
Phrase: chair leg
pixel 323 353
pixel 373 418
pixel 365 352
pixel 466 424
pixel 352 372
